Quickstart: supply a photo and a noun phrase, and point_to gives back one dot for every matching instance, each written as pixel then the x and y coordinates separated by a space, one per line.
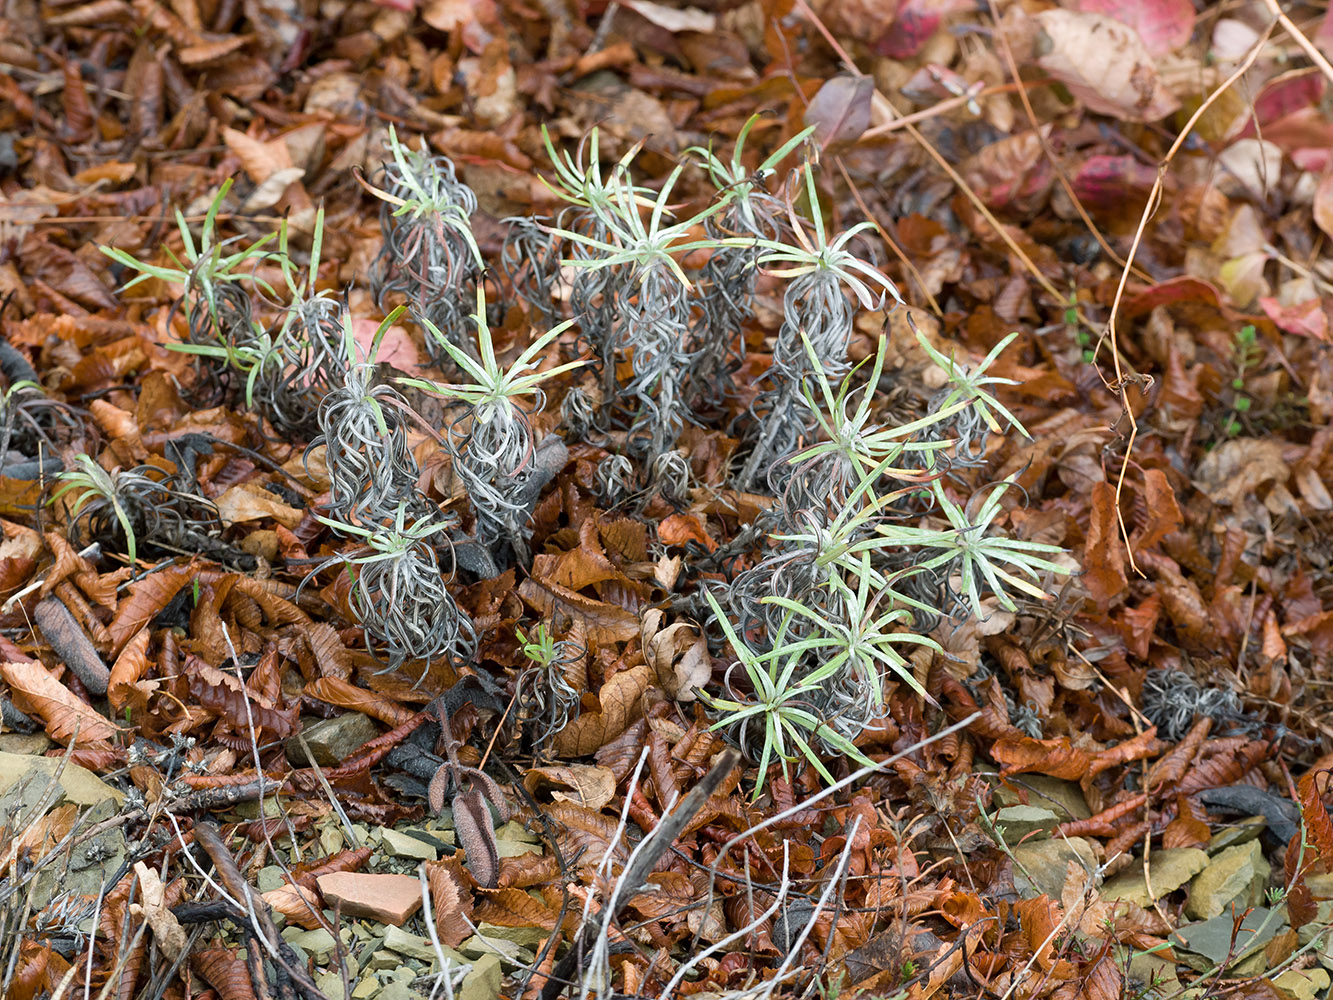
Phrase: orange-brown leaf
pixel 451 901
pixel 297 903
pixel 1057 757
pixel 129 668
pixel 145 601
pixel 35 691
pixel 1164 514
pixel 619 698
pixel 223 971
pixel 345 694
pixel 1104 552
pixel 1315 814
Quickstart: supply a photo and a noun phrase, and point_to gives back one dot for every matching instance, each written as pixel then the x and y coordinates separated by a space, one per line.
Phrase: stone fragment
pixel 1213 938
pixel 403 845
pixel 332 741
pixel 26 777
pixel 516 831
pixel 528 937
pixel 366 988
pixel 1042 867
pixel 269 878
pixel 1303 984
pixel 317 944
pixel 1242 831
pixel 1238 873
pixel 515 848
pixel 483 982
pixel 415 946
pixel 1018 822
pixel 25 744
pixel 390 899
pixel 330 983
pixel 1064 798
pixel 478 946
pixel 1169 869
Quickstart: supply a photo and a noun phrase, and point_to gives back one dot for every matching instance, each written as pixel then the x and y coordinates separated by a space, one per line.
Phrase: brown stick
pixel 657 844
pixel 207 836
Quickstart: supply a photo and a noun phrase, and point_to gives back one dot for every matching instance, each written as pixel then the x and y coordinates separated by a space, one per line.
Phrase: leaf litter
pixel 484 445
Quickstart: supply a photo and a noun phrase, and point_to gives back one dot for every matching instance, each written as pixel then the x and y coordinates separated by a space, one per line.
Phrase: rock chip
pixel 1017 822
pixel 483 982
pixel 528 937
pixel 24 779
pixel 390 899
pixel 1242 831
pixel 404 845
pixel 1041 867
pixel 317 944
pixel 332 741
pixel 1213 938
pixel 1064 798
pixel 415 946
pixel 1238 874
pixel 1169 869
pixel 1303 984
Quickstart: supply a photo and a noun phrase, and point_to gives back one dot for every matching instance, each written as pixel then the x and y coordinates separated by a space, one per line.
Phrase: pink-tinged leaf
pixel 916 22
pixel 397 348
pixel 1282 96
pixel 1305 319
pixel 1013 172
pixel 1104 64
pixel 840 112
pixel 1323 38
pixel 1182 289
pixel 1323 204
pixel 1105 182
pixel 1163 25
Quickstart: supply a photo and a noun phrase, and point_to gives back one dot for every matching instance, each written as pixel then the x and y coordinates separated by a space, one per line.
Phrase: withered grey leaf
pixel 476 835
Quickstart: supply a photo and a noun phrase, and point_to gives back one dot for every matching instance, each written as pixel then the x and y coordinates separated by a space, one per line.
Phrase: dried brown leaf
pixel 36 692
pixel 619 701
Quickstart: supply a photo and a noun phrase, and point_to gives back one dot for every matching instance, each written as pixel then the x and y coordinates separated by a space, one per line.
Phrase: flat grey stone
pixel 1042 867
pixel 483 982
pixel 402 845
pixel 1240 831
pixel 1212 938
pixel 1018 822
pixel 1169 867
pixel 1064 798
pixel 1236 874
pixel 332 741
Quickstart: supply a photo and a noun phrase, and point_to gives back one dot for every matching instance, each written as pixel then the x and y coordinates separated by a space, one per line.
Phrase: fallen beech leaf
pixel 588 785
pixel 1164 514
pixel 297 904
pixel 513 908
pixel 1104 552
pixel 840 112
pixel 126 686
pixel 604 623
pixel 674 19
pixel 1104 63
pixel 451 902
pixel 145 601
pixel 1236 470
pixel 251 502
pixel 167 931
pixel 619 700
pixel 1323 203
pixel 1162 24
pixel 678 654
pixel 677 529
pixel 36 692
pixel 1056 757
pixel 345 694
